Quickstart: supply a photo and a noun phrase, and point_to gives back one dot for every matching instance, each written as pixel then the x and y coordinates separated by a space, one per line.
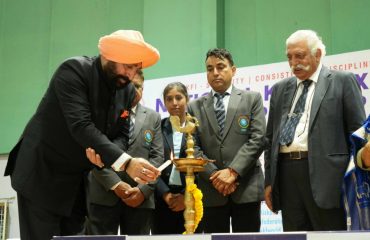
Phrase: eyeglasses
pixel 305 115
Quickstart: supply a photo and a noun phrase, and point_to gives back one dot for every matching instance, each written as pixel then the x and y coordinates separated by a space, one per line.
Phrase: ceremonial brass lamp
pixel 190 164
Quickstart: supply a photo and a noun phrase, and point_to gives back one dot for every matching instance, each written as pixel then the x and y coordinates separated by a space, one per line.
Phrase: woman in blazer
pixel 169 193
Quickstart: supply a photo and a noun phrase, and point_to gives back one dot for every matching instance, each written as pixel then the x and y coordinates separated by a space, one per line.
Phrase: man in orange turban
pixel 85 98
pixel 129 47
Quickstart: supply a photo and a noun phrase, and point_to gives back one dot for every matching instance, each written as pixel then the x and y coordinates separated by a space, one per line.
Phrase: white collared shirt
pixel 133 113
pixel 175 178
pixel 300 140
pixel 225 99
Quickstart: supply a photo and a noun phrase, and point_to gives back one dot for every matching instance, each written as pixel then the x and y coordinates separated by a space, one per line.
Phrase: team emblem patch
pixel 243 122
pixel 148 136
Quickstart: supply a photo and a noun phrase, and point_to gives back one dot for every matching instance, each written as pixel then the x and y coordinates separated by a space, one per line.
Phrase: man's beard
pixel 120 81
pixel 116 80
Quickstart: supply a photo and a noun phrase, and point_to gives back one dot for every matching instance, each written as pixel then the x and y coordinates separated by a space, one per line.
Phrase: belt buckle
pixel 295 155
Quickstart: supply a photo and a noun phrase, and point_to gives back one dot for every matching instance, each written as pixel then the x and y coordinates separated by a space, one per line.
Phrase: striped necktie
pixel 288 131
pixel 220 111
pixel 132 125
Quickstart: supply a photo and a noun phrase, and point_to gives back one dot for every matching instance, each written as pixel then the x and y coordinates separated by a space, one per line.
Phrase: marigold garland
pixel 198 204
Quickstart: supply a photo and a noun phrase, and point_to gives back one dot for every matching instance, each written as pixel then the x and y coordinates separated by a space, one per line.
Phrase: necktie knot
pixel 306 83
pixel 220 95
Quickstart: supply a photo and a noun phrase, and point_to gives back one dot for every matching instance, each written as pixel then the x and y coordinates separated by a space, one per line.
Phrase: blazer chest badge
pixel 243 122
pixel 148 136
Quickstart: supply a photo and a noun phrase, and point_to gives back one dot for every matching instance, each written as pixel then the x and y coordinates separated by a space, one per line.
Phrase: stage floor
pixel 363 235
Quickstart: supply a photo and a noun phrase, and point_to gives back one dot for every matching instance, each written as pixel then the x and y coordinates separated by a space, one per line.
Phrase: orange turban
pixel 128 47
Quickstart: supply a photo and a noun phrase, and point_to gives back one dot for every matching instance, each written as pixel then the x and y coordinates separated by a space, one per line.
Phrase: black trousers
pixel 37 223
pixel 299 210
pixel 105 220
pixel 244 217
pixel 166 221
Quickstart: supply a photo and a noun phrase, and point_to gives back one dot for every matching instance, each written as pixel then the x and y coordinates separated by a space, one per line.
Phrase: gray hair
pixel 313 40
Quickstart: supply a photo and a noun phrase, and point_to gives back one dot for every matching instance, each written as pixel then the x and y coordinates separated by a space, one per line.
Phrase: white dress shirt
pixel 225 99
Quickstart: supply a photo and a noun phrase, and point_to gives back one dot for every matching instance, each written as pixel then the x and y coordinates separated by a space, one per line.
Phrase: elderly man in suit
pixel 310 120
pixel 48 164
pixel 231 131
pixel 114 194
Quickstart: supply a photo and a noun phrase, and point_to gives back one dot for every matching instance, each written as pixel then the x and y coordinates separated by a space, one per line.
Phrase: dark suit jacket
pixel 239 148
pixel 100 182
pixel 337 110
pixel 48 163
pixel 162 184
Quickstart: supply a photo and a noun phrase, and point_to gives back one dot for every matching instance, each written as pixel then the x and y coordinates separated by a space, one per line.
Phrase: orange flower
pixel 125 114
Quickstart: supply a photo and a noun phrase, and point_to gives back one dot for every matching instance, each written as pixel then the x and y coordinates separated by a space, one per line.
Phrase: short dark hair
pixel 178 86
pixel 220 53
